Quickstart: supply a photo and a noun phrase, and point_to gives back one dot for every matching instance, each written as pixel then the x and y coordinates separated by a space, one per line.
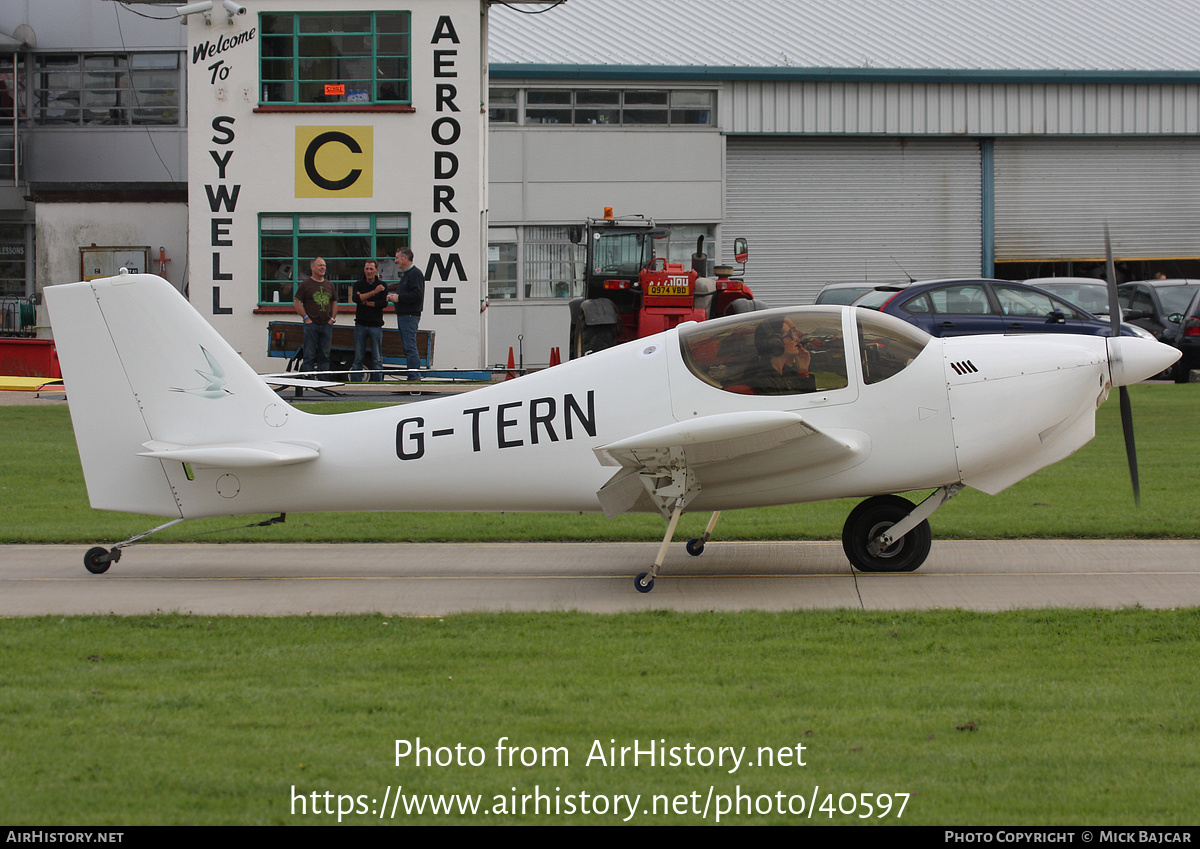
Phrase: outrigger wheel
pixel 870 519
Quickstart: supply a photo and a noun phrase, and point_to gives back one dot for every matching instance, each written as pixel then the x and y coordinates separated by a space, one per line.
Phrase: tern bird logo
pixel 214 380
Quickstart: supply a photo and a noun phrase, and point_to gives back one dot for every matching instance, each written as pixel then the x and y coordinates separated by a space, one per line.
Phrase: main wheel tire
pixel 695 547
pixel 871 518
pixel 641 584
pixel 96 560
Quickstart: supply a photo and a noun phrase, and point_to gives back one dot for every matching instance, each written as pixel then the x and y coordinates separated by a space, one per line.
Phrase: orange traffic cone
pixel 512 365
pixel 555 359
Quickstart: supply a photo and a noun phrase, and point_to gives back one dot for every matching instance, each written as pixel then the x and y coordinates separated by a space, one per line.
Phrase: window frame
pixel 599 106
pixel 352 264
pixel 126 99
pixel 368 97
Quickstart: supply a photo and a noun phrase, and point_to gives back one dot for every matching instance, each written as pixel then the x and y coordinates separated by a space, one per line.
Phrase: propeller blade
pixel 1114 311
pixel 1130 450
pixel 1114 314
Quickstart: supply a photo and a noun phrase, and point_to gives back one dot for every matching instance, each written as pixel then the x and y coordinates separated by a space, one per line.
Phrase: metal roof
pixel 867 38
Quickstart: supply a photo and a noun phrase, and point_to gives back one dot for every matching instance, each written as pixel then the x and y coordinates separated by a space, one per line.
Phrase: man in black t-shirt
pixel 370 297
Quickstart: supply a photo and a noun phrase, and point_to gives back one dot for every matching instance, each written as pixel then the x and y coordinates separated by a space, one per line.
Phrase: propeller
pixel 1114 314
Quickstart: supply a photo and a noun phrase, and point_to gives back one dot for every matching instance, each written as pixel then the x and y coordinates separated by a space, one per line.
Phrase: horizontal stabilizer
pixel 234 455
pixel 299 382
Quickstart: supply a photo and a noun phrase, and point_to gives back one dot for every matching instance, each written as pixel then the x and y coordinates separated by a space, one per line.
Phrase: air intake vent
pixel 965 367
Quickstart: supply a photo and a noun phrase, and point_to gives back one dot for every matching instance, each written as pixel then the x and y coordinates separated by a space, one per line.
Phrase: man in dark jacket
pixel 409 298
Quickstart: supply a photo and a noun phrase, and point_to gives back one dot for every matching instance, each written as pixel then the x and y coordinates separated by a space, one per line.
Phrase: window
pixel 502 262
pixel 95 89
pixel 542 262
pixel 769 353
pixel 288 243
pixel 12 105
pixel 335 57
pixel 502 106
pixel 12 260
pixel 886 346
pixel 969 299
pixel 1020 302
pixel 602 107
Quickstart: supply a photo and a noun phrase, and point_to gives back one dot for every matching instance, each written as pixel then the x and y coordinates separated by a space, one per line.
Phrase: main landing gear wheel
pixel 870 519
pixel 695 546
pixel 641 584
pixel 97 560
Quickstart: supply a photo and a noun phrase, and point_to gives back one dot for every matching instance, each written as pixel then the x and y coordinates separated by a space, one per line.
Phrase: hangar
pixel 847 140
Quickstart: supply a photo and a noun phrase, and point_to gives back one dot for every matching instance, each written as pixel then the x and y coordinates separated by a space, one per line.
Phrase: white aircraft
pixel 772 407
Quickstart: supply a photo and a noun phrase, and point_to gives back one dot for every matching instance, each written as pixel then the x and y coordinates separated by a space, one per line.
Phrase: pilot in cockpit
pixel 783 360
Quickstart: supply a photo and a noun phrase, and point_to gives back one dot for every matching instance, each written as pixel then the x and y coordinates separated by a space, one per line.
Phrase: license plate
pixel 669 290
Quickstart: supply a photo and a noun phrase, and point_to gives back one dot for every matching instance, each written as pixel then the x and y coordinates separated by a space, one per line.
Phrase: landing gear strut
pixel 644 582
pixel 695 545
pixel 98 559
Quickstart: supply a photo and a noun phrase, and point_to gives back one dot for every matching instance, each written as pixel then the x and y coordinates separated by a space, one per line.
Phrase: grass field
pixel 1087 496
pixel 1050 717
pixel 1021 718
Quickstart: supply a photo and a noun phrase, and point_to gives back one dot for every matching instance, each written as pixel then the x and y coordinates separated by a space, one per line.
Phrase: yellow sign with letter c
pixel 334 162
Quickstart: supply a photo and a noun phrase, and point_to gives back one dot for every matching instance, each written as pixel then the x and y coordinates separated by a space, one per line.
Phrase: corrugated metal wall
pixel 1053 197
pixel 988 109
pixel 840 209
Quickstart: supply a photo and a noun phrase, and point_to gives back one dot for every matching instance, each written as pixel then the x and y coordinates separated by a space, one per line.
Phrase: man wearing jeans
pixel 316 302
pixel 370 297
pixel 409 298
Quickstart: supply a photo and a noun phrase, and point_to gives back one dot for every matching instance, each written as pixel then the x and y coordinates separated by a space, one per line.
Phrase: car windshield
pixel 620 253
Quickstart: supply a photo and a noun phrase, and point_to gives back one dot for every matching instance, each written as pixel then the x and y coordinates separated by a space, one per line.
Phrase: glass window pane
pixel 391 23
pixel 159 61
pixel 273 24
pixel 547 116
pixel 645 116
pixel 645 98
pixel 598 116
pixel 391 224
pixel 539 97
pixel 334 23
pixel 598 98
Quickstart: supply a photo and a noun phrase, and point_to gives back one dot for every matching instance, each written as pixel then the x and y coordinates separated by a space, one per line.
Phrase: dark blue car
pixel 971 307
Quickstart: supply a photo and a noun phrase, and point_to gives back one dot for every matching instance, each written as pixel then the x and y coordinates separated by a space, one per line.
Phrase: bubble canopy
pixel 799 350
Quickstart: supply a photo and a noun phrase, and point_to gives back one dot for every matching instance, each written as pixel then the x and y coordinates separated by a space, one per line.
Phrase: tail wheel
pixel 870 519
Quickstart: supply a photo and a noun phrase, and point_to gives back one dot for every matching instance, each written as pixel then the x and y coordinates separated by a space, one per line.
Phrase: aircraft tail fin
pixel 142 369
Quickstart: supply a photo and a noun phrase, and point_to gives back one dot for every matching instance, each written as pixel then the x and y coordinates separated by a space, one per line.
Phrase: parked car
pixel 1170 311
pixel 847 293
pixel 1086 292
pixel 969 307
